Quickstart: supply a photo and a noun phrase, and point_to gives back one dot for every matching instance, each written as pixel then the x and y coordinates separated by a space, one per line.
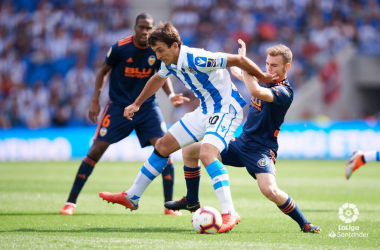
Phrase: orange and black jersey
pixel 132 66
pixel 265 118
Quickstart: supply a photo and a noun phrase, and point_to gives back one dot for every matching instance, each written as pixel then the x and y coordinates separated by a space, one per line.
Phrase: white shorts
pixel 216 129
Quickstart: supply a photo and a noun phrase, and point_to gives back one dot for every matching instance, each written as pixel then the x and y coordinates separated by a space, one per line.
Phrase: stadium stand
pixel 50 50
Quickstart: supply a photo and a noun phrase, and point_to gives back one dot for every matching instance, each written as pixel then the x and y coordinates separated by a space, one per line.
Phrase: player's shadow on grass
pixel 105 230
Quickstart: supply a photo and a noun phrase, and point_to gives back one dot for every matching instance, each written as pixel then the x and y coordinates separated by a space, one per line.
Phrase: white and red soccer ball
pixel 207 220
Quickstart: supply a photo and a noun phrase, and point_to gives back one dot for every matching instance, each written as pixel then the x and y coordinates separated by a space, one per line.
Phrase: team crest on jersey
pixel 263 162
pixel 192 70
pixel 103 131
pixel 201 61
pixel 151 60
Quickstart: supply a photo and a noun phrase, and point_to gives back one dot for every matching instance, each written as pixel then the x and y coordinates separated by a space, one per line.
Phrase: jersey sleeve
pixel 163 72
pixel 112 57
pixel 281 95
pixel 207 61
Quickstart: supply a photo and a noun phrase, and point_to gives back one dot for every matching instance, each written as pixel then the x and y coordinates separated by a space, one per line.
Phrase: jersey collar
pixel 137 46
pixel 182 55
pixel 283 82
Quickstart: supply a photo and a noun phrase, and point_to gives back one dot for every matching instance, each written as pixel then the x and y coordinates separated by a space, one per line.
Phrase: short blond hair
pixel 281 50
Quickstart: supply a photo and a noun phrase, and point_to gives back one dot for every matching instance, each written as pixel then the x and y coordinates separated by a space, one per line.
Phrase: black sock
pixel 168 180
pixel 84 172
pixel 192 177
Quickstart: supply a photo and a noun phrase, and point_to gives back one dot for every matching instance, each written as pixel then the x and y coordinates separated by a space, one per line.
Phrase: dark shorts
pixel 254 156
pixel 113 126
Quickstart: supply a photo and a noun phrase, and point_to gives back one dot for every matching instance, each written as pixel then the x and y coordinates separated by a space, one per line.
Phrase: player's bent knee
pixel 161 148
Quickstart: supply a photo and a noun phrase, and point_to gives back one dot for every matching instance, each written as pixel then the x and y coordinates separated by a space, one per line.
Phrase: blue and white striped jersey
pixel 205 74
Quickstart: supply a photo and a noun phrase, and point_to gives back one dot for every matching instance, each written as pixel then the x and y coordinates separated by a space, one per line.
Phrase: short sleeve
pixel 281 95
pixel 112 57
pixel 163 72
pixel 207 61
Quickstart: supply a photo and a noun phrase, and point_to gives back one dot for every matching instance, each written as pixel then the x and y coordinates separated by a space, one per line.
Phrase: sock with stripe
pixel 192 177
pixel 290 208
pixel 168 180
pixel 84 172
pixel 150 170
pixel 371 156
pixel 221 184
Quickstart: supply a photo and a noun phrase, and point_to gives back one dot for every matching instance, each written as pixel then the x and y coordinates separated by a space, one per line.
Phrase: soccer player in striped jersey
pixel 215 120
pixel 359 159
pixel 131 62
pixel 256 148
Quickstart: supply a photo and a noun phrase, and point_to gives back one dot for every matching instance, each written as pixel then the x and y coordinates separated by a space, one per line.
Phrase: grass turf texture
pixel 31 195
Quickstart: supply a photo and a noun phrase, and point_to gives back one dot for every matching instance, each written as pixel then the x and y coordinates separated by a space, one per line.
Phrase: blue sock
pixel 192 177
pixel 84 172
pixel 168 180
pixel 290 208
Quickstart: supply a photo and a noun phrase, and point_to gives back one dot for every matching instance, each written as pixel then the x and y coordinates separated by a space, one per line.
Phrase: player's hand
pixel 94 111
pixel 269 78
pixel 242 51
pixel 178 100
pixel 236 72
pixel 130 111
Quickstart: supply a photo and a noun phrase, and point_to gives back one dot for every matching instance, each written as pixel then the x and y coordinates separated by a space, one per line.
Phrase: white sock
pixel 372 156
pixel 139 186
pixel 224 194
pixel 149 171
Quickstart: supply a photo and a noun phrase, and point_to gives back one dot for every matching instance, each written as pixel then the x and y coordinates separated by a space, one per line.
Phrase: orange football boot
pixel 172 212
pixel 121 198
pixel 229 221
pixel 354 163
pixel 68 209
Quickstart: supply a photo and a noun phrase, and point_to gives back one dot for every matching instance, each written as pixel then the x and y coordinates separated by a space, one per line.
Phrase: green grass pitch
pixel 31 195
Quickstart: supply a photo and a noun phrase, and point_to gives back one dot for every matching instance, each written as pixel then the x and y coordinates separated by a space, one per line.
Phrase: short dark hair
pixel 166 33
pixel 144 16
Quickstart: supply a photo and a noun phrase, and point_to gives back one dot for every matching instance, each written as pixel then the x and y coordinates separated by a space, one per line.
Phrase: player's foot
pixel 182 204
pixel 356 161
pixel 172 212
pixel 310 228
pixel 121 198
pixel 68 209
pixel 229 221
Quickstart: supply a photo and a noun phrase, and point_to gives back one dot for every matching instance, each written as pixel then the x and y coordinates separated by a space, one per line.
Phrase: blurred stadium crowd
pixel 50 50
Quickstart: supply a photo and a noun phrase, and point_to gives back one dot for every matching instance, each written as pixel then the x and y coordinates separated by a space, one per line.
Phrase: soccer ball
pixel 207 220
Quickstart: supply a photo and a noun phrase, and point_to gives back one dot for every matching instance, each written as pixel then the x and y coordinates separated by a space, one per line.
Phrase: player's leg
pixel 219 132
pixel 192 171
pixel 268 186
pixel 167 175
pixel 359 159
pixel 150 170
pixel 167 181
pixel 85 169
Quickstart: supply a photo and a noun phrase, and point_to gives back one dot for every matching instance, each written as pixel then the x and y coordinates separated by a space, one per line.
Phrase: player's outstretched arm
pixel 248 65
pixel 101 78
pixel 151 87
pixel 252 83
pixel 176 99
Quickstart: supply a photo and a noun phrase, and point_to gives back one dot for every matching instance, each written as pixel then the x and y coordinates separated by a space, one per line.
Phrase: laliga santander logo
pixel 348 212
